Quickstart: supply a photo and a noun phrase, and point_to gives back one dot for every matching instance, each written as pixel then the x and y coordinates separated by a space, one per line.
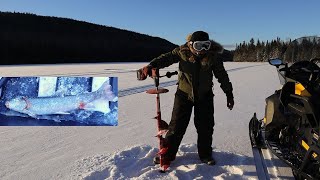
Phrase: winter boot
pixel 210 161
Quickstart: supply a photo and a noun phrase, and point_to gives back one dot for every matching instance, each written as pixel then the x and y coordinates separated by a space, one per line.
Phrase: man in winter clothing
pixel 198 62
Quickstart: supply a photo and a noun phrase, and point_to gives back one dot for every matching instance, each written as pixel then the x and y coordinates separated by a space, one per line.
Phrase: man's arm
pixel 165 60
pixel 221 74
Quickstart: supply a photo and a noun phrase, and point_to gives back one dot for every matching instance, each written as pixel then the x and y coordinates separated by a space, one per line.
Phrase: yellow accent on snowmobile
pixel 264 120
pixel 301 90
pixel 314 155
pixel 306 146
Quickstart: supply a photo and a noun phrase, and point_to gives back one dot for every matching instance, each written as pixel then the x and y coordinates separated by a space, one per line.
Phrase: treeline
pixel 303 48
pixel 27 38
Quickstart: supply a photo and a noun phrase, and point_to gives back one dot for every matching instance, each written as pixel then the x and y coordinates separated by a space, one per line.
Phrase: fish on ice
pixel 62 105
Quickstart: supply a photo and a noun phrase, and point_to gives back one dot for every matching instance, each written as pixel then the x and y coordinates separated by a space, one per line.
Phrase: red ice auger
pixel 162 125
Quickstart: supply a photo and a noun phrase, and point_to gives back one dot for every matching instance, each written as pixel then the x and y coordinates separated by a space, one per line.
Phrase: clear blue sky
pixel 227 21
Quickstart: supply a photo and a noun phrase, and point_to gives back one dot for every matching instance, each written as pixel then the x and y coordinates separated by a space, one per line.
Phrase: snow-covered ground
pixel 126 151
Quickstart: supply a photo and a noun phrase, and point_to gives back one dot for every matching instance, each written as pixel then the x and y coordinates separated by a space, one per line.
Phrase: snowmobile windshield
pixel 302 70
pixel 306 49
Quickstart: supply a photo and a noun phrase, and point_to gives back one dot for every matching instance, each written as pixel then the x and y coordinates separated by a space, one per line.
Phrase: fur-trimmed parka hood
pixel 186 53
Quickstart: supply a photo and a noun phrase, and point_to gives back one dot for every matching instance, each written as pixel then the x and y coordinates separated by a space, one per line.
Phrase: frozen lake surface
pixel 126 151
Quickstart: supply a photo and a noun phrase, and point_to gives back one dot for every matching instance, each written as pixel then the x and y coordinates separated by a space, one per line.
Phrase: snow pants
pixel 203 120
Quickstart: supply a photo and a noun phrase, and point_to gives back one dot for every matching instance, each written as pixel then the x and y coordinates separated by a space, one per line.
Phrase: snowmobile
pixel 290 127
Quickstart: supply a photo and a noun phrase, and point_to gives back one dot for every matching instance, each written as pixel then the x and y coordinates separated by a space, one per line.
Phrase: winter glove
pixel 144 72
pixel 230 101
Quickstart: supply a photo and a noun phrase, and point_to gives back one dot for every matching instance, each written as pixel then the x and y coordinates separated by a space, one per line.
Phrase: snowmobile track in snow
pixel 140 89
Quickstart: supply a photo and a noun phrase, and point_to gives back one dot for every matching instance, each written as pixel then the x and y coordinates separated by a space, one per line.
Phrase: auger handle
pixel 169 74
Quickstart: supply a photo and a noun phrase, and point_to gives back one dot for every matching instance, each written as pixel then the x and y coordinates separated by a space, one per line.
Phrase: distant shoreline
pixel 32 39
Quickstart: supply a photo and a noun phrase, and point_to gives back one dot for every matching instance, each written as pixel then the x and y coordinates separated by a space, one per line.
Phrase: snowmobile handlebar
pixel 315 60
pixel 300 69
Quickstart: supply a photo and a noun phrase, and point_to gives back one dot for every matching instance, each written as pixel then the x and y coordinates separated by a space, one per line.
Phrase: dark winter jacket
pixel 195 75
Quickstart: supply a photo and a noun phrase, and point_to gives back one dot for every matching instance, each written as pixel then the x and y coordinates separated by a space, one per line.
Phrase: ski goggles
pixel 201 45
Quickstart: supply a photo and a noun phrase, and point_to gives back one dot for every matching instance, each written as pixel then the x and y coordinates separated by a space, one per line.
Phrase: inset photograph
pixel 58 101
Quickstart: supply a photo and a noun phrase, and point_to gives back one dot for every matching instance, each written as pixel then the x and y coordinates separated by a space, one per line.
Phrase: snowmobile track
pixel 140 89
